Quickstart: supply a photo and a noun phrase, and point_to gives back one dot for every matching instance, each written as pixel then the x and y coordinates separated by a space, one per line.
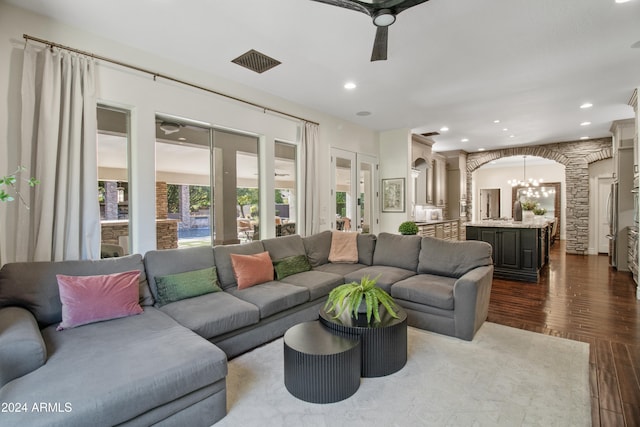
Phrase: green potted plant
pixel 360 298
pixel 528 205
pixel 539 211
pixel 408 227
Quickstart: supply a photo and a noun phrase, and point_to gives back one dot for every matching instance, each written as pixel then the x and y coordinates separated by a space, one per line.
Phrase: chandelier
pixel 524 182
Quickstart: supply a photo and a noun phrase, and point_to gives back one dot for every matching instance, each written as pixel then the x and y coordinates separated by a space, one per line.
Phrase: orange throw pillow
pixel 252 270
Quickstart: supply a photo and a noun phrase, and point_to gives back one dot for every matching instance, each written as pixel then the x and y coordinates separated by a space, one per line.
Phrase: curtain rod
pixel 163 76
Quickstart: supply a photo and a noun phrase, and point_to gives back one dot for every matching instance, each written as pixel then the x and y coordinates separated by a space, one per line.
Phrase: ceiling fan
pixel 383 13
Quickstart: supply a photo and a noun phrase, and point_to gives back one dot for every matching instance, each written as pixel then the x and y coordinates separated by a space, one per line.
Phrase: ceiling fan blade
pixel 347 4
pixel 407 4
pixel 380 44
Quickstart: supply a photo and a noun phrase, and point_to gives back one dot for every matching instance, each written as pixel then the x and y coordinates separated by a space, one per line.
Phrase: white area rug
pixel 504 377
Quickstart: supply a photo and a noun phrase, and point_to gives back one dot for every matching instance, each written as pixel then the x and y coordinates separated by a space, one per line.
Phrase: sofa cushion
pixel 90 299
pixel 174 261
pixel 344 247
pixel 426 289
pixel 251 270
pixel 317 247
pixel 272 297
pixel 396 250
pixel 213 314
pixel 340 269
pixel 179 286
pixel 284 247
pixel 366 247
pixel 318 283
pixel 452 258
pixel 222 254
pixel 385 275
pixel 22 349
pixel 291 265
pixel 33 285
pixel 130 367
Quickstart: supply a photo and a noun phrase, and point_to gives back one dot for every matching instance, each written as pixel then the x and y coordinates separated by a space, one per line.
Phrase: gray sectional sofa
pixel 167 366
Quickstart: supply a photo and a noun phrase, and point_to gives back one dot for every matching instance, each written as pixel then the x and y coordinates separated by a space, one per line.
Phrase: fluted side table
pixel 383 344
pixel 319 366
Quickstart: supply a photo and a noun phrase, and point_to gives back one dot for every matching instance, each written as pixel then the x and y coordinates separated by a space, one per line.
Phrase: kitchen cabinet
pixel 518 252
pixel 439 180
pixel 447 229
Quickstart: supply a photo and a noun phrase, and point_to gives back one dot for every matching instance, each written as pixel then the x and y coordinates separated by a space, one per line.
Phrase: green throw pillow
pixel 176 287
pixel 291 265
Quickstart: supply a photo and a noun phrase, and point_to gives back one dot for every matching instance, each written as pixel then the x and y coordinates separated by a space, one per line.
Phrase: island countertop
pixel 511 224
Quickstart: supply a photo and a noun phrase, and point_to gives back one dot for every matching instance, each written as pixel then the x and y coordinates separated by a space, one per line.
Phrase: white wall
pixel 497 177
pixel 145 98
pixel 395 155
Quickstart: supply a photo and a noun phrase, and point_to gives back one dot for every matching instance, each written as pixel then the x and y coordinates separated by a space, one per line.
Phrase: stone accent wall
pixel 162 203
pixel 576 157
pixel 166 232
pixel 112 230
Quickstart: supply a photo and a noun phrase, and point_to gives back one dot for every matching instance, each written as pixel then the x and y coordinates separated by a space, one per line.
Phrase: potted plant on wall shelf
pixel 359 299
pixel 408 228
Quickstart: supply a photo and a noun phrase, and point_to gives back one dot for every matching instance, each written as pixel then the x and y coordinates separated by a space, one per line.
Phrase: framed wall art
pixel 393 195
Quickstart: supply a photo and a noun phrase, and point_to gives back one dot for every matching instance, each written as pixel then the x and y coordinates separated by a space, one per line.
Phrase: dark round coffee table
pixel 319 366
pixel 383 344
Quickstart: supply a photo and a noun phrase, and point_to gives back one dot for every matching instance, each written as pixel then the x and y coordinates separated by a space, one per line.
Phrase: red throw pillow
pixel 89 299
pixel 252 270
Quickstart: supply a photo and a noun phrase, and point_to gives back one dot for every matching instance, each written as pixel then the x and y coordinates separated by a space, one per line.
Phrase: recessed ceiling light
pixel 622 1
pixel 586 105
pixel 363 113
pixel 585 123
pixel 496 121
pixel 444 129
pixel 512 136
pixel 504 129
pixel 464 140
pixel 481 149
pixel 350 85
pixel 584 137
pixel 182 138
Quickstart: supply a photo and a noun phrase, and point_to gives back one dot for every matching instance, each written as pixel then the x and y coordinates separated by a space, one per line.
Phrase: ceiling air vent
pixel 256 61
pixel 430 134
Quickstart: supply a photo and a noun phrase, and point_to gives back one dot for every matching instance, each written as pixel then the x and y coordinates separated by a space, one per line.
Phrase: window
pixel 286 188
pixel 113 180
pixel 183 184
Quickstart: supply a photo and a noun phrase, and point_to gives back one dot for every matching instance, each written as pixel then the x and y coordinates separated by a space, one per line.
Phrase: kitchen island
pixel 520 249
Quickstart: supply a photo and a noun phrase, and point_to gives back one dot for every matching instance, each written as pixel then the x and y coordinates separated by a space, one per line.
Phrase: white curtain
pixel 59 128
pixel 310 145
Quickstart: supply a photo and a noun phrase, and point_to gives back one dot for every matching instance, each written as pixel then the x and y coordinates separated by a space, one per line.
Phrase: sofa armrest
pixel 471 294
pixel 22 349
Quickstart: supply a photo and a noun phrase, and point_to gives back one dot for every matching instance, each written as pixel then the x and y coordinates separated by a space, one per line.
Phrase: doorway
pixel 603 220
pixel 490 203
pixel 354 189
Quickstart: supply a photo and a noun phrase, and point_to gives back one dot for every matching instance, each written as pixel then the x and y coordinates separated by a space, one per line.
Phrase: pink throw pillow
pixel 89 299
pixel 252 270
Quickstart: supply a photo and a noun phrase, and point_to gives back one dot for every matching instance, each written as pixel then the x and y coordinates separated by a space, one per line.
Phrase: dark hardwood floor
pixel 582 298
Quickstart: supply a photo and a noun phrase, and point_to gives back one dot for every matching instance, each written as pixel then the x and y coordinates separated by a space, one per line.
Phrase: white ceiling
pixel 455 63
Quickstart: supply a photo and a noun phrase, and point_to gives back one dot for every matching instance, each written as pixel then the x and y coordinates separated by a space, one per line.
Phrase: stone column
pixel 185 207
pixel 110 200
pixel 162 204
pixel 225 197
